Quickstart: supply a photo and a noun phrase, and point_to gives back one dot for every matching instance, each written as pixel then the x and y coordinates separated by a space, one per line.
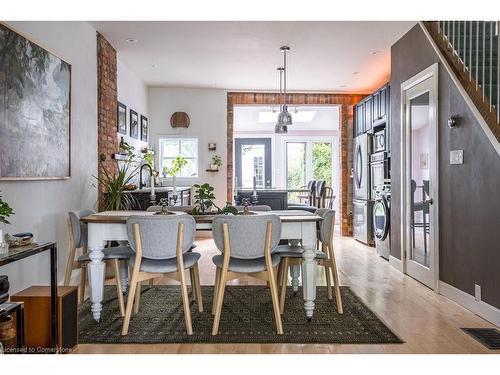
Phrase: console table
pixel 17 253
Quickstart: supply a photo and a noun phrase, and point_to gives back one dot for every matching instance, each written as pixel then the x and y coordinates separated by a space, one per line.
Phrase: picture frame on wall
pixel 134 124
pixel 121 119
pixel 144 128
pixel 35 141
pixel 212 147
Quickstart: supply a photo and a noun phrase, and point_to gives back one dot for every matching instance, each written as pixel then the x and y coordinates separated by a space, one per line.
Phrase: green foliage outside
pixel 322 162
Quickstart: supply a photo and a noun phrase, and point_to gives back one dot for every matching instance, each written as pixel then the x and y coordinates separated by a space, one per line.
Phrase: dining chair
pixel 161 247
pixel 77 232
pixel 292 255
pixel 247 244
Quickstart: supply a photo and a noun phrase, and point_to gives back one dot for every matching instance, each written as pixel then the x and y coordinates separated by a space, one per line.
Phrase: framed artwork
pixel 121 119
pixel 212 147
pixel 35 110
pixel 144 128
pixel 134 124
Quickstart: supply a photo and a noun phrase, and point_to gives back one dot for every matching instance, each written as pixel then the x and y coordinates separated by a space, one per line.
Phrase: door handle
pixel 429 201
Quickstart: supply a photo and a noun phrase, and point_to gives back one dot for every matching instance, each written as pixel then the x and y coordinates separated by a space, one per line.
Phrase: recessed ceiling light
pixel 343 86
pixel 153 65
pixel 355 73
pixel 131 40
pixel 376 52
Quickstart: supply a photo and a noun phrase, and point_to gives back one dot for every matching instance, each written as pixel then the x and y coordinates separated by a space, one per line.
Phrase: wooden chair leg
pixel 276 304
pixel 280 273
pixel 151 282
pixel 119 287
pixel 83 281
pixel 216 288
pixel 328 282
pixel 130 302
pixel 185 303
pixel 337 286
pixel 69 265
pixel 283 285
pixel 197 287
pixel 192 278
pixel 220 298
pixel 137 298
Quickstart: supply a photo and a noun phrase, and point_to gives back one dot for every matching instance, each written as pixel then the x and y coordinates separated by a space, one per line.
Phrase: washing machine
pixel 382 220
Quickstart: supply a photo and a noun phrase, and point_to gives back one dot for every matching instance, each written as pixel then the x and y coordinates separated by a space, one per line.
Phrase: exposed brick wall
pixel 107 143
pixel 346 102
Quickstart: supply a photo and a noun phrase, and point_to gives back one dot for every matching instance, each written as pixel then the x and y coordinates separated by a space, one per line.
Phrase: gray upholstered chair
pixel 248 244
pixel 78 240
pixel 257 207
pixel 292 255
pixel 161 245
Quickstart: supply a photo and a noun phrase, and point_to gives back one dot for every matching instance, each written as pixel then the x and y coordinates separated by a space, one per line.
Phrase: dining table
pixel 296 226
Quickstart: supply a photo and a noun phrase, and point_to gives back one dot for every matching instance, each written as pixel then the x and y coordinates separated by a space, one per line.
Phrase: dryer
pixel 382 220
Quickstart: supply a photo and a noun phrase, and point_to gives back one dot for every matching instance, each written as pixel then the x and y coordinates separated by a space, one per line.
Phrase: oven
pixel 379 141
pixel 379 171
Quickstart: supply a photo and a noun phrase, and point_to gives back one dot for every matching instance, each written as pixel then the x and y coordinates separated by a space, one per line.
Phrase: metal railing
pixel 476 45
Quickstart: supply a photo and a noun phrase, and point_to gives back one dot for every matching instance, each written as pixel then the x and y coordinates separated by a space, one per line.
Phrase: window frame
pixel 179 139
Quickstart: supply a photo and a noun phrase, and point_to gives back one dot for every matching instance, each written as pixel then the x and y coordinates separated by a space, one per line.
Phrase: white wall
pixel 41 206
pixel 207 111
pixel 134 94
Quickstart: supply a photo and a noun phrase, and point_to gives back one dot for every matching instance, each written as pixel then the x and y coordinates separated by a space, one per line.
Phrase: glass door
pixel 420 179
pixel 253 160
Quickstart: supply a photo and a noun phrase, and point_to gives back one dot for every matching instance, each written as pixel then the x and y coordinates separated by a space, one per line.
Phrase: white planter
pixel 214 167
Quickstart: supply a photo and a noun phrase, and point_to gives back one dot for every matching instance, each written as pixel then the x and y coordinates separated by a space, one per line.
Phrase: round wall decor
pixel 179 120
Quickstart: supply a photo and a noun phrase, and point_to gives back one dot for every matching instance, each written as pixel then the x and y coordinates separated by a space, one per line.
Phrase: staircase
pixel 472 49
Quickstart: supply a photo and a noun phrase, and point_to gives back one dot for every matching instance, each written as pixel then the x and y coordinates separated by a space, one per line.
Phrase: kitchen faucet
pixel 141 183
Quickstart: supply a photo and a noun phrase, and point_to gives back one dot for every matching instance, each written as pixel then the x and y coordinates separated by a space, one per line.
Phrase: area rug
pixel 247 317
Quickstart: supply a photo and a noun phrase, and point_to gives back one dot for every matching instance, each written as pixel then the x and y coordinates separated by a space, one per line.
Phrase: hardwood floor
pixel 427 322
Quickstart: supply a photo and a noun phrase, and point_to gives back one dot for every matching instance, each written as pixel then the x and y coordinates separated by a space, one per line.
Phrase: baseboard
pixel 484 310
pixel 396 263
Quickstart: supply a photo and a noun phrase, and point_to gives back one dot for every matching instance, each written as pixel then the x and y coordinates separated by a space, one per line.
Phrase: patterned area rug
pixel 247 317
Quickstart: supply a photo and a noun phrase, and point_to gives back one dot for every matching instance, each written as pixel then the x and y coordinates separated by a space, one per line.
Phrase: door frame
pixel 430 73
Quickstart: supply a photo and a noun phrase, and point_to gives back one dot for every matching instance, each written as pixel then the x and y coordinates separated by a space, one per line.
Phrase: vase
pixel 7 332
pixel 214 167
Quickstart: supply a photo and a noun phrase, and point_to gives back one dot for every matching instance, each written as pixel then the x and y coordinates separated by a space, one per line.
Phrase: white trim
pixel 489 134
pixel 484 310
pixel 396 263
pixel 431 74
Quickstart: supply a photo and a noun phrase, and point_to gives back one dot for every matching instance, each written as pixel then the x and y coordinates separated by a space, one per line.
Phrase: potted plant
pixel 5 212
pixel 115 185
pixel 174 170
pixel 216 162
pixel 204 202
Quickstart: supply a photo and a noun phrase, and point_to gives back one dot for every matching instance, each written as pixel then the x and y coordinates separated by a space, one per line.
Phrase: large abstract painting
pixel 35 110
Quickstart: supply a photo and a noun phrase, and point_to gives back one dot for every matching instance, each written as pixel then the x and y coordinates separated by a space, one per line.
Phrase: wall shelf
pixel 211 170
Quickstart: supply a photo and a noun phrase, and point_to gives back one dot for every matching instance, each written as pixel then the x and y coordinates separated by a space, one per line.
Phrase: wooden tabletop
pixel 120 217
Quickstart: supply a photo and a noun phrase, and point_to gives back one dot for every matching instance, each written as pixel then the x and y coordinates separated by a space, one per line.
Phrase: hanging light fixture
pixel 280 129
pixel 284 118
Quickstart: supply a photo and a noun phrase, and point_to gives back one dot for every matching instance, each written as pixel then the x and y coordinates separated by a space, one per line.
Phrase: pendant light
pixel 280 129
pixel 284 118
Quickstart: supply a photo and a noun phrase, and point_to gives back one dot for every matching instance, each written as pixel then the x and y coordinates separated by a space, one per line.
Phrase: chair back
pixel 257 207
pixel 159 234
pixel 311 186
pixel 326 226
pixel 79 229
pixel 329 197
pixel 247 234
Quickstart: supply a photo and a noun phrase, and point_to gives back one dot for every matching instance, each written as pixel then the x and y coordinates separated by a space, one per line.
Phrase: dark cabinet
pixel 359 118
pixel 373 113
pixel 380 109
pixel 368 103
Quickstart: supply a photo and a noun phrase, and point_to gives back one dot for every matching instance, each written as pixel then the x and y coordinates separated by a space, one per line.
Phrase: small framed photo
pixel 134 124
pixel 212 147
pixel 144 128
pixel 121 119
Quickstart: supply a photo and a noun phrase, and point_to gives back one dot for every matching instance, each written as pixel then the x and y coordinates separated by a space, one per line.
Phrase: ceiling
pixel 325 56
pixel 246 118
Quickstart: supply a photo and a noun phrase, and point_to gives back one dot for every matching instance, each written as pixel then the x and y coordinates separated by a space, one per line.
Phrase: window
pixel 170 148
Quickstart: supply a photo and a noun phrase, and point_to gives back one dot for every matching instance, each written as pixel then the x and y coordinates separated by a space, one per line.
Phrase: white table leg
pixel 295 269
pixel 309 267
pixel 96 269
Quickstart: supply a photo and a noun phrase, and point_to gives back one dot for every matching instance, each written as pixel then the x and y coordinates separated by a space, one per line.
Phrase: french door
pixel 253 160
pixel 420 177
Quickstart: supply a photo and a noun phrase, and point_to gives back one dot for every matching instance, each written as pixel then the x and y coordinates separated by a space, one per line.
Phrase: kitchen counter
pixel 159 189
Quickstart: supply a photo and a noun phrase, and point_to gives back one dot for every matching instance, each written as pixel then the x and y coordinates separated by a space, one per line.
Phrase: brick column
pixel 107 143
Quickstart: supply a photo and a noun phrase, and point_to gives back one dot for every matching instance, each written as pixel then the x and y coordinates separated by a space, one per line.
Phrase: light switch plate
pixel 457 157
pixel 477 292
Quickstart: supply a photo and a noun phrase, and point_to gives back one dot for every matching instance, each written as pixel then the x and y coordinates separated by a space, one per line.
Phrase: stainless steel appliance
pixel 379 171
pixel 361 174
pixel 379 141
pixel 362 221
pixel 362 206
pixel 382 219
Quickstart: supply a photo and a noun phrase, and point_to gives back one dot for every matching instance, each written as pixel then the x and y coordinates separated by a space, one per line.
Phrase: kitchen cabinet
pixel 368 103
pixel 359 126
pixel 373 112
pixel 380 108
